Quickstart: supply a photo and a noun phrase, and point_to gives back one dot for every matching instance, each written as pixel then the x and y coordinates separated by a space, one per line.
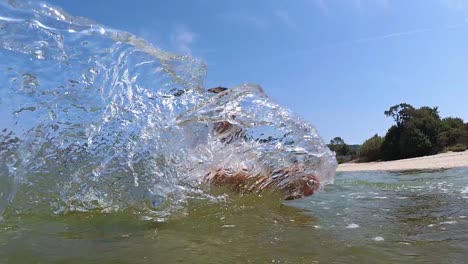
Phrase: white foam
pixel 404 243
pixel 448 223
pixel 352 226
pixel 378 239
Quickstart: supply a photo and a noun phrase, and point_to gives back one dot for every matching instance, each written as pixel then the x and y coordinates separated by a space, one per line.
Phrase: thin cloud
pixel 405 33
pixel 394 35
pixel 183 39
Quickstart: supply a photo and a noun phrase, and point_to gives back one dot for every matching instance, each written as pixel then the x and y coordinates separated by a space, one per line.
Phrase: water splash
pixel 97 119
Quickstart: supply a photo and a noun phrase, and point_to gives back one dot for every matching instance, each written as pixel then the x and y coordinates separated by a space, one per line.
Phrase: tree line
pixel 416 132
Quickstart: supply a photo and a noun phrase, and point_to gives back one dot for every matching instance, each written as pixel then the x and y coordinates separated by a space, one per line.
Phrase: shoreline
pixel 447 160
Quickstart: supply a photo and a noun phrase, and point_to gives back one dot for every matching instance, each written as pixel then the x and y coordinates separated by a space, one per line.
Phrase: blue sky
pixel 339 63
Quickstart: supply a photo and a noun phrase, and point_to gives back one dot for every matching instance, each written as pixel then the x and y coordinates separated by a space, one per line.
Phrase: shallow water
pixel 105 140
pixel 373 217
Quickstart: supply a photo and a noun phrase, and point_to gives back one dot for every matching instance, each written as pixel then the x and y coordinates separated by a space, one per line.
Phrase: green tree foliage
pixel 391 145
pixel 343 151
pixel 458 148
pixel 427 121
pixel 400 113
pixel 453 132
pixel 339 146
pixel 414 143
pixel 337 141
pixel 415 133
pixel 420 131
pixel 466 133
pixel 371 149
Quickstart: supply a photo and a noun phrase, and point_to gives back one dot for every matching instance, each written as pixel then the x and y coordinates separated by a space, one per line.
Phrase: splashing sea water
pixel 94 118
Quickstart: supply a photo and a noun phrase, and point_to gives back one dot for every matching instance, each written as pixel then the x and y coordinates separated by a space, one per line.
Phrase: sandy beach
pixel 439 161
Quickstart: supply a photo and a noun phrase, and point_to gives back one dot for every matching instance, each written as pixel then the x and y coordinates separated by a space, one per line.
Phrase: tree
pixel 400 113
pixel 414 143
pixel 337 141
pixel 452 132
pixel 391 146
pixel 371 149
pixel 466 133
pixel 339 146
pixel 416 132
pixel 427 121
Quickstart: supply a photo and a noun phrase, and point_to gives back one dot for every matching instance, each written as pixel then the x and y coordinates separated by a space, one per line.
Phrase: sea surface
pixel 106 141
pixel 372 217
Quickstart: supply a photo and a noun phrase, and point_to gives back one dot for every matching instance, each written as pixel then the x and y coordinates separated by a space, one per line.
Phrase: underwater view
pixel 113 150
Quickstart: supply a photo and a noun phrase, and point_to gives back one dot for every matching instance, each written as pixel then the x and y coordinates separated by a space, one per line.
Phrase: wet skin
pixel 244 181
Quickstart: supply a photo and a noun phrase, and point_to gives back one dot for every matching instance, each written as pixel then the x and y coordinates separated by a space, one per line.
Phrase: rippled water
pixel 94 118
pixel 418 217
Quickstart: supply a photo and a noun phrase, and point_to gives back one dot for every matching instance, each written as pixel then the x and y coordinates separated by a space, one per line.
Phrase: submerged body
pixel 266 179
pixel 243 182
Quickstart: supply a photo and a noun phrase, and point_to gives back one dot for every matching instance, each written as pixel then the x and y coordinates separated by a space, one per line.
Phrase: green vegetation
pixel 457 148
pixel 344 152
pixel 371 149
pixel 339 146
pixel 416 132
